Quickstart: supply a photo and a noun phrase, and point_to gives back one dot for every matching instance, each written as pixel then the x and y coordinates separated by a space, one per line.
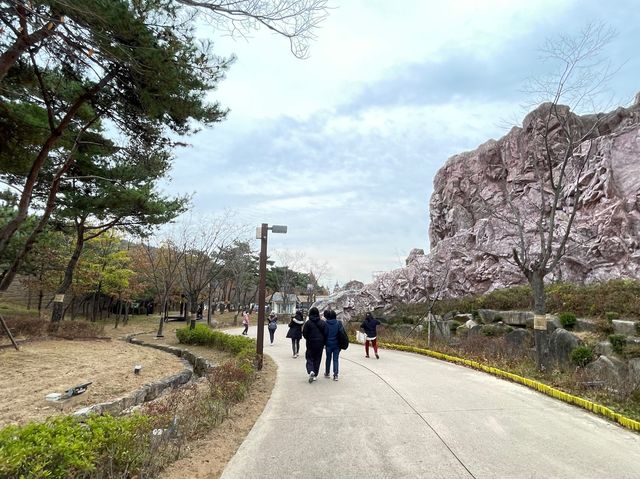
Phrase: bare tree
pixel 295 20
pixel 559 157
pixel 159 264
pixel 318 272
pixel 204 241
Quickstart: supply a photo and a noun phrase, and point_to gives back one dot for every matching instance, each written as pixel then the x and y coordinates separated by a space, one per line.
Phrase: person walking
pixel 295 332
pixel 369 326
pixel 272 326
pixel 245 322
pixel 314 332
pixel 333 346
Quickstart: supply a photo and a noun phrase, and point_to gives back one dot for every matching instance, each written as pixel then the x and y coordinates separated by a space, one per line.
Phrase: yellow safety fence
pixel 538 386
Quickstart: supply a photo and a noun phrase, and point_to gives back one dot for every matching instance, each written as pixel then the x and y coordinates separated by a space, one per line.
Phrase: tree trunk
pixel 58 310
pixel 126 313
pixel 541 335
pixel 40 295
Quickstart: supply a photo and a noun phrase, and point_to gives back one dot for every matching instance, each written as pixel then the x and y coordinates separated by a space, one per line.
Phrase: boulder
pixel 604 348
pixel 607 371
pixel 470 247
pixel 462 318
pixel 634 373
pixel 519 339
pixel 586 325
pixel 561 343
pixel 628 328
pixel 487 315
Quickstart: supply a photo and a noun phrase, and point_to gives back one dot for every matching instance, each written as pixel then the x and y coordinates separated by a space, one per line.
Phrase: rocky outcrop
pixel 471 245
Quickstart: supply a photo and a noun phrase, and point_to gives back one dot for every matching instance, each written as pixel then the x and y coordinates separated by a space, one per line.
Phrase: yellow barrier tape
pixel 598 409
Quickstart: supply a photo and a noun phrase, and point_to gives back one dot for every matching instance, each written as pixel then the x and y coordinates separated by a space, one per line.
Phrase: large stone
pixel 604 348
pixel 561 343
pixel 628 328
pixel 473 248
pixel 634 373
pixel 519 340
pixel 609 372
pixel 586 325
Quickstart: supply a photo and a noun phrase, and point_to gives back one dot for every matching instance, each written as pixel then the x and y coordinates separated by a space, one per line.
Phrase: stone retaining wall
pixel 195 365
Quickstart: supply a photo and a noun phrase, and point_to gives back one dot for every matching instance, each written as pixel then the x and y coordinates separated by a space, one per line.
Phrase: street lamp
pixel 261 234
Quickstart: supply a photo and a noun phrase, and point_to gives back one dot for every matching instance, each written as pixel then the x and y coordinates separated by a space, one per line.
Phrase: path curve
pixel 411 416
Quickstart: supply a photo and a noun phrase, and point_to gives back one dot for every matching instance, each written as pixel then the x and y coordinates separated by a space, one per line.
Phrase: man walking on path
pixel 333 346
pixel 369 326
pixel 315 333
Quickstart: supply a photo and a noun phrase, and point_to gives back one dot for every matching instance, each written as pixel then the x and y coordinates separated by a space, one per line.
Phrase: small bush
pixel 27 326
pixel 638 328
pixel 568 320
pixel 491 330
pixel 76 329
pixel 618 342
pixel 611 315
pixel 631 351
pixel 453 325
pixel 581 355
pixel 204 336
pixel 605 327
pixel 64 447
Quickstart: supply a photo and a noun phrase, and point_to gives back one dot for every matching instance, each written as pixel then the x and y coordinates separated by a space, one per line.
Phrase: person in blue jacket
pixel 369 326
pixel 295 332
pixel 315 333
pixel 333 348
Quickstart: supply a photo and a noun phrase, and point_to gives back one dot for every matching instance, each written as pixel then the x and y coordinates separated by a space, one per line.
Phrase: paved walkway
pixel 410 416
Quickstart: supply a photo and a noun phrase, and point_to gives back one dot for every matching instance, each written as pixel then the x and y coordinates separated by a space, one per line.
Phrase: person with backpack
pixel 295 332
pixel 335 335
pixel 314 332
pixel 369 326
pixel 273 325
pixel 245 322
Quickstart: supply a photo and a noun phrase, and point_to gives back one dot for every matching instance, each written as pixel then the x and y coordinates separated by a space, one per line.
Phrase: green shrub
pixel 491 330
pixel 568 320
pixel 64 447
pixel 631 351
pixel 453 325
pixel 581 355
pixel 204 336
pixel 638 328
pixel 605 327
pixel 611 315
pixel 618 342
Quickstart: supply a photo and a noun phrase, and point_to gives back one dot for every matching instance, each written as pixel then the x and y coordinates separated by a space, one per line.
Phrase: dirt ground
pixel 44 367
pixel 207 458
pixel 48 366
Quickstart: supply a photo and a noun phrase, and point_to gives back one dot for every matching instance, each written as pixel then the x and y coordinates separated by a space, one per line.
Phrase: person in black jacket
pixel 369 326
pixel 315 333
pixel 295 332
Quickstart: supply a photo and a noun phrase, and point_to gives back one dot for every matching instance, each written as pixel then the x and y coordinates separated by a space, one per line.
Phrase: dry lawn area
pixel 44 367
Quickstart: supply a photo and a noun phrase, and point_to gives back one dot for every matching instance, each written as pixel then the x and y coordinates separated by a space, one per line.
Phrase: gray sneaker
pixel 335 377
pixel 312 377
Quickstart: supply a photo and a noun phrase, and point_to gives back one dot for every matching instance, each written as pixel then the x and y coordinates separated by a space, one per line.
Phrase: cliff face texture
pixel 472 234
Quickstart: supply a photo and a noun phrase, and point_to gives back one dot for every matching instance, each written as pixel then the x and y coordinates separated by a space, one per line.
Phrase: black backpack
pixel 343 338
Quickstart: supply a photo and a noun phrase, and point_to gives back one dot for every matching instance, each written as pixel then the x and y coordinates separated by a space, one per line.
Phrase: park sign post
pixel 261 234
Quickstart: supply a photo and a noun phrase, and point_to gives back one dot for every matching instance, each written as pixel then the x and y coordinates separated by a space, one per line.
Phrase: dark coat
pixel 295 327
pixel 315 330
pixel 333 327
pixel 369 326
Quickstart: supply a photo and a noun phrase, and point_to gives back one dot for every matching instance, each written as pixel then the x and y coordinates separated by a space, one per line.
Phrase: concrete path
pixel 410 416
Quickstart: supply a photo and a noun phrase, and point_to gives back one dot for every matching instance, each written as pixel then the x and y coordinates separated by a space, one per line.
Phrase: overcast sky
pixel 343 147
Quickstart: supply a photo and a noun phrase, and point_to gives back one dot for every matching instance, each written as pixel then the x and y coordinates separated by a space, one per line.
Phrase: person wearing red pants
pixel 369 326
